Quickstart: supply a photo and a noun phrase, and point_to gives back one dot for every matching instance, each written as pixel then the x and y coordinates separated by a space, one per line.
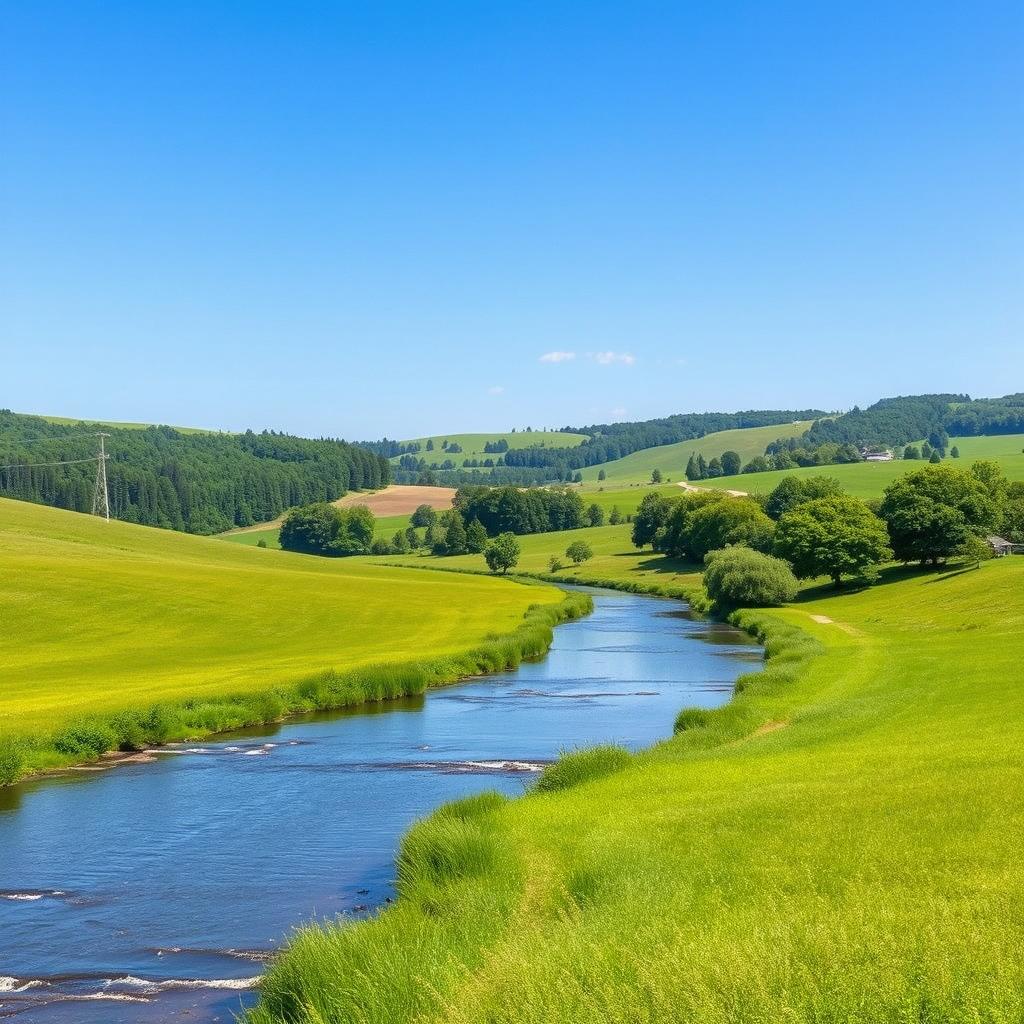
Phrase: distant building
pixel 1000 546
pixel 873 456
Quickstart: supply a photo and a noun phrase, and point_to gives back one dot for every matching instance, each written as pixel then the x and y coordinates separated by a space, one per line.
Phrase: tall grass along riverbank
pixel 118 636
pixel 839 843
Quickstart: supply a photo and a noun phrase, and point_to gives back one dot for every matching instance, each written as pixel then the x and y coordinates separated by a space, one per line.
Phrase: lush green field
pixel 869 479
pixel 69 421
pixel 838 844
pixel 97 617
pixel 473 444
pixel 615 558
pixel 385 527
pixel 671 459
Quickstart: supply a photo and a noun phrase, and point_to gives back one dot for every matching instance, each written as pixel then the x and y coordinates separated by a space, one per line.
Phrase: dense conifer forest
pixel 196 482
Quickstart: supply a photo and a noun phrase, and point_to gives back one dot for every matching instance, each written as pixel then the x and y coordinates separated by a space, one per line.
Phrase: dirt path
pixel 687 486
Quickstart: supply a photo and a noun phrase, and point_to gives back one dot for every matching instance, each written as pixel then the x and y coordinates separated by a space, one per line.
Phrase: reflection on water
pixel 157 891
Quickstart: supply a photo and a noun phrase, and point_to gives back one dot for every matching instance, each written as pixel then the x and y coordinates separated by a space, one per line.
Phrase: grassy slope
pixel 839 844
pixel 614 558
pixel 96 616
pixel 671 459
pixel 473 444
pixel 869 479
pixel 71 422
pixel 384 527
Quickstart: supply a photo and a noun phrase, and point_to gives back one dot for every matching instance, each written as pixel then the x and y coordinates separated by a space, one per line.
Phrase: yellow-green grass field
pixel 861 479
pixel 615 559
pixel 385 527
pixel 69 421
pixel 671 459
pixel 839 843
pixel 473 444
pixel 96 617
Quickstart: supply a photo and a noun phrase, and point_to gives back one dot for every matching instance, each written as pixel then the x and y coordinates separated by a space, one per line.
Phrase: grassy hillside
pixel 384 527
pixel 102 616
pixel 671 459
pixel 869 479
pixel 69 421
pixel 615 558
pixel 838 844
pixel 473 444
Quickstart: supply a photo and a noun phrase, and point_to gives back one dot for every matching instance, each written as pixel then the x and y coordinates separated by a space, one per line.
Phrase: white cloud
pixel 557 357
pixel 496 390
pixel 608 358
pixel 618 413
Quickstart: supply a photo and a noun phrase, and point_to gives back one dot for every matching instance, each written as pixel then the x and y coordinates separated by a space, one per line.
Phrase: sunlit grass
pixel 839 843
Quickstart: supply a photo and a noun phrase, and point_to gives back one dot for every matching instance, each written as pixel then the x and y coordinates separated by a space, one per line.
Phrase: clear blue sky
pixel 376 218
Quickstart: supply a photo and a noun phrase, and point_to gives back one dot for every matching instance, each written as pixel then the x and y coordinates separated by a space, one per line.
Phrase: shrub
pixel 261 543
pixel 555 563
pixel 579 551
pixel 740 577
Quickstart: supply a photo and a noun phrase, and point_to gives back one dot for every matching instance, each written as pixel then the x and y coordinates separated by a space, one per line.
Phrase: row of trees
pixel 325 529
pixel 926 516
pixel 517 511
pixel 196 482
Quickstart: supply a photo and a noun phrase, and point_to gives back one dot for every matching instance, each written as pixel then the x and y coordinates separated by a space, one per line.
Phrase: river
pixel 158 892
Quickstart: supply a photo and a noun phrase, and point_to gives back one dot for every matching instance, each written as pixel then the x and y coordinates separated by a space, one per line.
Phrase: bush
pixel 578 552
pixel 740 577
pixel 555 563
pixel 261 543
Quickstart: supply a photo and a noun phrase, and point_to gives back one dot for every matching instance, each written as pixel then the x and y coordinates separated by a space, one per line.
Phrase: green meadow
pixel 615 559
pixel 839 843
pixel 385 527
pixel 101 618
pixel 671 459
pixel 69 421
pixel 473 444
pixel 869 479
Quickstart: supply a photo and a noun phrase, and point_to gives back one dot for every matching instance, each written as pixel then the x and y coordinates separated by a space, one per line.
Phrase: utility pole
pixel 100 495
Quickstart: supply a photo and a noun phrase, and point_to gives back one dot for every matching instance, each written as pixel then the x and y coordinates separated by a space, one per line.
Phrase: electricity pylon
pixel 100 496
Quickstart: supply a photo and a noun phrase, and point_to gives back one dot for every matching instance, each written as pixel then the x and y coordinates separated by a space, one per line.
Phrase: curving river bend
pixel 157 892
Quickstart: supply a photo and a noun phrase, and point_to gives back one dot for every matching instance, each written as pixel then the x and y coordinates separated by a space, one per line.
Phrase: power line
pixel 41 465
pixel 100 494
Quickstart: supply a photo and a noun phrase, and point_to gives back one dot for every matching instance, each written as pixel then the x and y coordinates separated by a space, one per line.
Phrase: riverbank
pixel 315 808
pixel 836 844
pixel 120 636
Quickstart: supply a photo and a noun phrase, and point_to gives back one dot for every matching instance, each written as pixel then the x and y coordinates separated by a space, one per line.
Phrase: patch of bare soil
pixel 400 499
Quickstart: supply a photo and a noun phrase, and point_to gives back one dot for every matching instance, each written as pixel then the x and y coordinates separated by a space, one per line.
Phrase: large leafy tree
pixel 931 512
pixel 650 517
pixel 793 490
pixel 502 553
pixel 835 537
pixel 729 522
pixel 731 463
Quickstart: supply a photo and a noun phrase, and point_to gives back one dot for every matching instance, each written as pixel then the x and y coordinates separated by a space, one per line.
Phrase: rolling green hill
pixel 100 617
pixel 869 479
pixel 69 421
pixel 840 843
pixel 473 444
pixel 671 459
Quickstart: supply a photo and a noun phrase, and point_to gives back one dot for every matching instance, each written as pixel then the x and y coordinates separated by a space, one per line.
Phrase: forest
pixel 196 482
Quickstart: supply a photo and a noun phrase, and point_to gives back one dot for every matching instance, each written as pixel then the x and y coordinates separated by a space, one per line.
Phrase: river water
pixel 158 892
